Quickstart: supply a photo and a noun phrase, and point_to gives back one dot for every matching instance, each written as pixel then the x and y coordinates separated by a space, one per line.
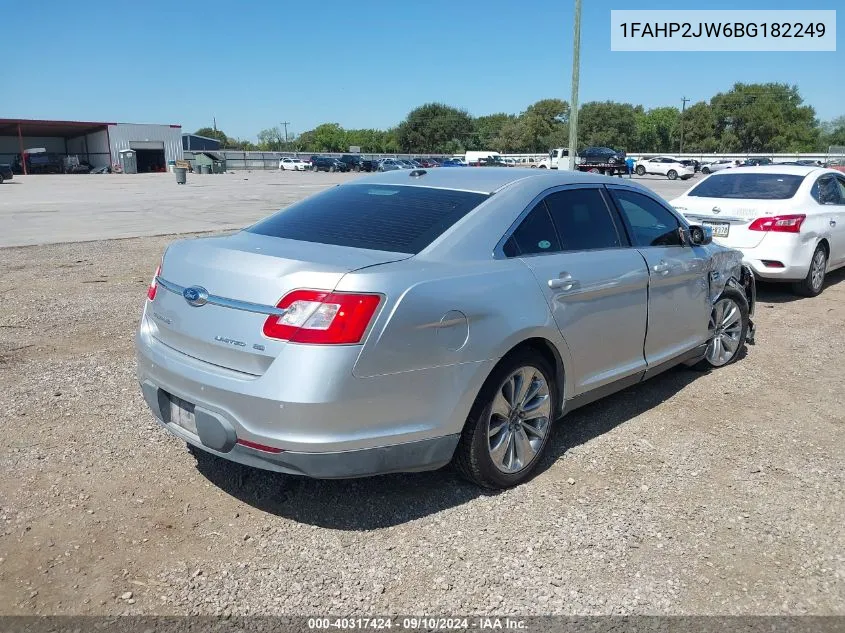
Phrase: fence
pixel 238 160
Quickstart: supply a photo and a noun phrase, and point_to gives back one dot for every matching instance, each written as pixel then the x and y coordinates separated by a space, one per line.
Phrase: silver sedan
pixel 409 319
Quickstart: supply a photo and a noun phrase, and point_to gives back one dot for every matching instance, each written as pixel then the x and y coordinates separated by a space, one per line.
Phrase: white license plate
pixel 182 414
pixel 720 229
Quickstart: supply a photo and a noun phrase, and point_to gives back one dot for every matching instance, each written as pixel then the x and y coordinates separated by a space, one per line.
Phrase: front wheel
pixel 705 170
pixel 672 174
pixel 510 423
pixel 542 166
pixel 640 170
pixel 812 284
pixel 729 328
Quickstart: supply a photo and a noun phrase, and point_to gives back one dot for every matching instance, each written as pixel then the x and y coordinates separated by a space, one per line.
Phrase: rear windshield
pixel 398 219
pixel 750 186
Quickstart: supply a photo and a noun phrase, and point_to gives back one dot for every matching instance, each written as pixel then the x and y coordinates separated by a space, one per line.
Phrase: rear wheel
pixel 510 423
pixel 705 170
pixel 640 170
pixel 813 283
pixel 542 166
pixel 595 170
pixel 672 174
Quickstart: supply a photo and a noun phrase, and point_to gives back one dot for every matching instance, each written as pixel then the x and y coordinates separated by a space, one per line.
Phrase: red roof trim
pixel 55 123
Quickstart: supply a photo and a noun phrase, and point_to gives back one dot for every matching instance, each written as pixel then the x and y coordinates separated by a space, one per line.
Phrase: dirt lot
pixel 717 493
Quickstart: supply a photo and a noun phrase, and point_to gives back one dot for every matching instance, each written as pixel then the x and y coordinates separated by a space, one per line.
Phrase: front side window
pixel 582 220
pixel 651 223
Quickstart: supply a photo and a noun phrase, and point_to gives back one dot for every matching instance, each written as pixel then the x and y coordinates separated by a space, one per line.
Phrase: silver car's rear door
pixel 596 287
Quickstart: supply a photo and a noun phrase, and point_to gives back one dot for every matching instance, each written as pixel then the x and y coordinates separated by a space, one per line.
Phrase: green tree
pixel 657 130
pixel 330 137
pixel 699 128
pixel 832 133
pixel 212 133
pixel 764 118
pixel 434 127
pixel 608 124
pixel 545 124
pixel 488 130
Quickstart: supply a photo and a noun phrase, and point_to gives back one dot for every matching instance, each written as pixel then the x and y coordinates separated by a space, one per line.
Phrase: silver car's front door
pixel 596 287
pixel 679 297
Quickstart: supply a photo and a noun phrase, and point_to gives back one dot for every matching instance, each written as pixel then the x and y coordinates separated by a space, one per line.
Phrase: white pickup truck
pixel 553 161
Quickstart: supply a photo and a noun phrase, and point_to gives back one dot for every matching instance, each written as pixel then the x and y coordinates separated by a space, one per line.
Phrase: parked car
pixel 691 162
pixel 451 162
pixel 601 156
pixel 788 221
pixel 5 172
pixel 756 162
pixel 838 164
pixel 491 161
pixel 38 161
pixel 717 165
pixel 369 164
pixel 292 164
pixel 354 162
pixel 391 164
pixel 428 162
pixel 327 163
pixel 668 166
pixel 380 288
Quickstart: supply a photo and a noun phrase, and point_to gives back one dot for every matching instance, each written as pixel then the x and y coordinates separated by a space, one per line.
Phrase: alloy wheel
pixel 519 420
pixel 817 267
pixel 726 325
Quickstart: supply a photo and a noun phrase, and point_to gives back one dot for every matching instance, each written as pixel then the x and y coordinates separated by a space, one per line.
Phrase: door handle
pixel 661 267
pixel 833 223
pixel 563 282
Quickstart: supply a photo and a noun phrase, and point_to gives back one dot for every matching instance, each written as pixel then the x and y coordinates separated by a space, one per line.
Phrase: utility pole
pixel 683 109
pixel 286 124
pixel 573 101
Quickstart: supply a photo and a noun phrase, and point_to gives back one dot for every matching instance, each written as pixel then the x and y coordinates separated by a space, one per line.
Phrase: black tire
pixel 705 170
pixel 812 285
pixel 542 166
pixel 596 170
pixel 640 170
pixel 1 179
pixel 332 169
pixel 741 302
pixel 685 177
pixel 472 456
pixel 672 174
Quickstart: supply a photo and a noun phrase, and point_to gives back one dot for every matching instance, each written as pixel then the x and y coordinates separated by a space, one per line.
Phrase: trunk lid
pixel 730 217
pixel 255 272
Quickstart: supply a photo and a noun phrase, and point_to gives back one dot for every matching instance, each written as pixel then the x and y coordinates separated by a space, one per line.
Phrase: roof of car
pixel 774 168
pixel 484 179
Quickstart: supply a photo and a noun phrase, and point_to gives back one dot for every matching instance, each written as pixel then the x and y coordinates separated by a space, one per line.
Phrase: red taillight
pixel 259 447
pixel 151 291
pixel 320 317
pixel 779 223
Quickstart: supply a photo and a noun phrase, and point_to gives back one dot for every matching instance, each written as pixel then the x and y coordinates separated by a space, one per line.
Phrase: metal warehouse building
pixel 98 144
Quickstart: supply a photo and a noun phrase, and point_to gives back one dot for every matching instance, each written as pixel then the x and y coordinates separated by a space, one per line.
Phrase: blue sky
pixel 253 64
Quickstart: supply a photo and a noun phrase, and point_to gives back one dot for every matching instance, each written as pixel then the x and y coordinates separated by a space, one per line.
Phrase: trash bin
pixel 181 175
pixel 206 169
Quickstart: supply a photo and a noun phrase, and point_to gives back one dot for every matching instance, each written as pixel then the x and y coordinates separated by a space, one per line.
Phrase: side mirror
pixel 700 235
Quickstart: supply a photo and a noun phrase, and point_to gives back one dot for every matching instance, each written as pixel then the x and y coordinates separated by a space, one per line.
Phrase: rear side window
pixel 749 186
pixel 535 235
pixel 398 219
pixel 582 219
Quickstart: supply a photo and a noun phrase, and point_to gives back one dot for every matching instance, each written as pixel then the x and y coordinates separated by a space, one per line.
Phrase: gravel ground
pixel 717 493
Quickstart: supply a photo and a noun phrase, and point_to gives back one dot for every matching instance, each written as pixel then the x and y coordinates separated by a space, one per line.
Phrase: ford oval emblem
pixel 196 296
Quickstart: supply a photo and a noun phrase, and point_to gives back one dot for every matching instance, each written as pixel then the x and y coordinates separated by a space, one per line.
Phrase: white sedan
pixel 788 221
pixel 668 166
pixel 292 164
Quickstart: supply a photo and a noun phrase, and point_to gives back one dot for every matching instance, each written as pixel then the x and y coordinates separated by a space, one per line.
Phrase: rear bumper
pixel 216 435
pixel 794 256
pixel 323 424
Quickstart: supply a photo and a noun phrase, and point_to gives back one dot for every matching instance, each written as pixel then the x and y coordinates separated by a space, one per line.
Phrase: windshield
pixel 748 186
